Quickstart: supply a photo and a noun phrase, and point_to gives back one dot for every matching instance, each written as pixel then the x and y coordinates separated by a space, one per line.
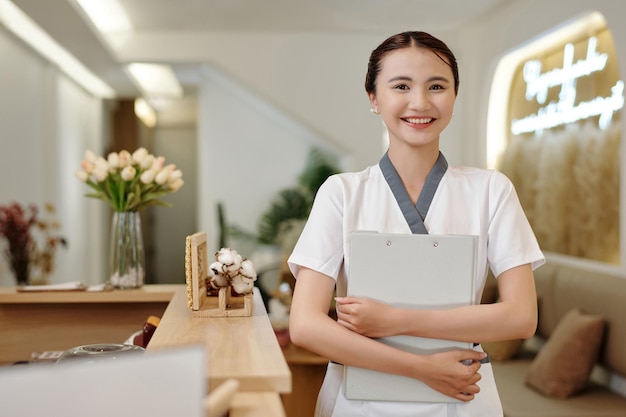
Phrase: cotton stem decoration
pixel 231 270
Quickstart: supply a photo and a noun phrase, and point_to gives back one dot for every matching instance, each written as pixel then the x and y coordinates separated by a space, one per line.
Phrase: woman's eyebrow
pixel 439 78
pixel 400 78
pixel 407 78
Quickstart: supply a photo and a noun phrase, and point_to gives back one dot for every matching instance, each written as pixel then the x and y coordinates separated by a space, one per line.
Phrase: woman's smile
pixel 419 121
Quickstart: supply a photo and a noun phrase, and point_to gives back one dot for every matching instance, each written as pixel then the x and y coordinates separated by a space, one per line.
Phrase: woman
pixel 412 82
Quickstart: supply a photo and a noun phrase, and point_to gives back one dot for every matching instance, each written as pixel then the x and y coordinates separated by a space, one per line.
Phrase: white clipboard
pixel 409 271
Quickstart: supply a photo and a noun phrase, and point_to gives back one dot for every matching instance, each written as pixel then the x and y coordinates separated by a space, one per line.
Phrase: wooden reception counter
pixel 59 320
pixel 242 348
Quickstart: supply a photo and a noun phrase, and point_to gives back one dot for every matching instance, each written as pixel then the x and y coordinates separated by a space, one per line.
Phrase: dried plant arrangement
pixel 568 183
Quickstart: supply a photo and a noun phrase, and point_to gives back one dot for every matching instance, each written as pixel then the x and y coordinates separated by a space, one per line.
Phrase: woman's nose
pixel 419 100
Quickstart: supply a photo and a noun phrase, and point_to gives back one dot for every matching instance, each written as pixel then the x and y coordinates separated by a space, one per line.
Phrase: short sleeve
pixel 320 246
pixel 512 241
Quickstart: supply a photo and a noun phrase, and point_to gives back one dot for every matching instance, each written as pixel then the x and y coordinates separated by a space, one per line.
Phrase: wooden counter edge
pixel 257 404
pixel 146 294
pixel 177 316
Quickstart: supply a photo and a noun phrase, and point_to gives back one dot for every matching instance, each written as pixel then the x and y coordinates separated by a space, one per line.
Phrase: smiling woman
pixel 412 82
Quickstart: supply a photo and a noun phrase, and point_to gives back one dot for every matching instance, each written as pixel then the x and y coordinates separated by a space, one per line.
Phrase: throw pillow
pixel 562 367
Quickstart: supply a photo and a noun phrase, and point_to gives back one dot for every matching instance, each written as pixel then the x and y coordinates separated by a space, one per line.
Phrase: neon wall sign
pixel 566 110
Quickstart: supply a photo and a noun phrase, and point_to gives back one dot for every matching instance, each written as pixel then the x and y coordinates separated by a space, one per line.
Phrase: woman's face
pixel 415 96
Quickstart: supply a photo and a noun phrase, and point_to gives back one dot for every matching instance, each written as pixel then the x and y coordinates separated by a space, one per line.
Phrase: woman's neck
pixel 413 166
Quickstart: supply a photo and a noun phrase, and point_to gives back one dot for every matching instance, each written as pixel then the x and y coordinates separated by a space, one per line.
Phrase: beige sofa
pixel 560 290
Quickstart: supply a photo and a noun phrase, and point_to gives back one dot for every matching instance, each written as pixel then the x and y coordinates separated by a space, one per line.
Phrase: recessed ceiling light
pixel 29 32
pixel 156 80
pixel 107 15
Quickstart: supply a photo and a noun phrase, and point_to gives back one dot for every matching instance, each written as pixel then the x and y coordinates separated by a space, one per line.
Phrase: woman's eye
pixel 401 87
pixel 437 87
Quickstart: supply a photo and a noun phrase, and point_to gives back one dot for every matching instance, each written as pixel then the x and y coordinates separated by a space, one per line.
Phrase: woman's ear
pixel 373 103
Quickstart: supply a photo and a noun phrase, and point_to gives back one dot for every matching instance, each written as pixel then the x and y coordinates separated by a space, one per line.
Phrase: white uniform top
pixel 468 201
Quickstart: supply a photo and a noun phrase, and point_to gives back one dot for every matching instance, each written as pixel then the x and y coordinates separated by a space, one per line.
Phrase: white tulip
pixel 148 176
pixel 164 175
pixel 147 162
pixel 113 159
pixel 90 156
pixel 139 155
pixel 128 173
pixel 101 164
pixel 176 185
pixel 125 159
pixel 100 174
pixel 158 164
pixel 82 175
pixel 175 175
pixel 87 166
pixel 161 177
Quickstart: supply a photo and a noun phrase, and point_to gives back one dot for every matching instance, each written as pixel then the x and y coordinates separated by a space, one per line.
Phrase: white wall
pixel 46 122
pixel 248 151
pixel 173 224
pixel 79 119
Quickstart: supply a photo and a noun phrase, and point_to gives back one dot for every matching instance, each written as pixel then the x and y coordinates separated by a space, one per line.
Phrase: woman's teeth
pixel 419 121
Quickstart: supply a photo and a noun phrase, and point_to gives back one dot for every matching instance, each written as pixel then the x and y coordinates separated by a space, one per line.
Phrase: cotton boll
pixel 247 269
pixel 216 268
pixel 242 285
pixel 230 259
pixel 219 281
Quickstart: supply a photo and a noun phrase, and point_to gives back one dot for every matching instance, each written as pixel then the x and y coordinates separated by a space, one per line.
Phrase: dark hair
pixel 406 40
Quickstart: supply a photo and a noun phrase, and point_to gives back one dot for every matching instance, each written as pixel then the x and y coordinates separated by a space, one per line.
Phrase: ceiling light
pixel 29 32
pixel 156 80
pixel 145 112
pixel 108 16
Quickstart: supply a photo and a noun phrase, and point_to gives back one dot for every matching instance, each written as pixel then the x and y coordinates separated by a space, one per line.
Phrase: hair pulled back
pixel 406 40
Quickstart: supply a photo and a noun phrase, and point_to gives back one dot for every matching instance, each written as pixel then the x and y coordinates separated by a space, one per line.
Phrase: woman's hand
pixel 367 317
pixel 446 373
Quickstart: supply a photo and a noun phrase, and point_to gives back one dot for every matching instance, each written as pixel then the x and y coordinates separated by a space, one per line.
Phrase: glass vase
pixel 127 255
pixel 21 269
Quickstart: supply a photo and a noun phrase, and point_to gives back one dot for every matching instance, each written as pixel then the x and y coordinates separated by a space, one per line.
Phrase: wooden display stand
pixel 200 302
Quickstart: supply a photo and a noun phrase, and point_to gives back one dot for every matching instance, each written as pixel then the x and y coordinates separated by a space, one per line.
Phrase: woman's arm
pixel 312 328
pixel 513 317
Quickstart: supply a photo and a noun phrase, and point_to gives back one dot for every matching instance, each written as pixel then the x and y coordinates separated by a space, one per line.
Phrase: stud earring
pixel 374 111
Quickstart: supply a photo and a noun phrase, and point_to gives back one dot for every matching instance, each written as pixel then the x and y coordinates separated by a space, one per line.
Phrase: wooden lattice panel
pixel 200 302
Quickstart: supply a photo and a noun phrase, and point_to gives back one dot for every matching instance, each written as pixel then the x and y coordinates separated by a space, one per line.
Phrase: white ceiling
pixel 192 18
